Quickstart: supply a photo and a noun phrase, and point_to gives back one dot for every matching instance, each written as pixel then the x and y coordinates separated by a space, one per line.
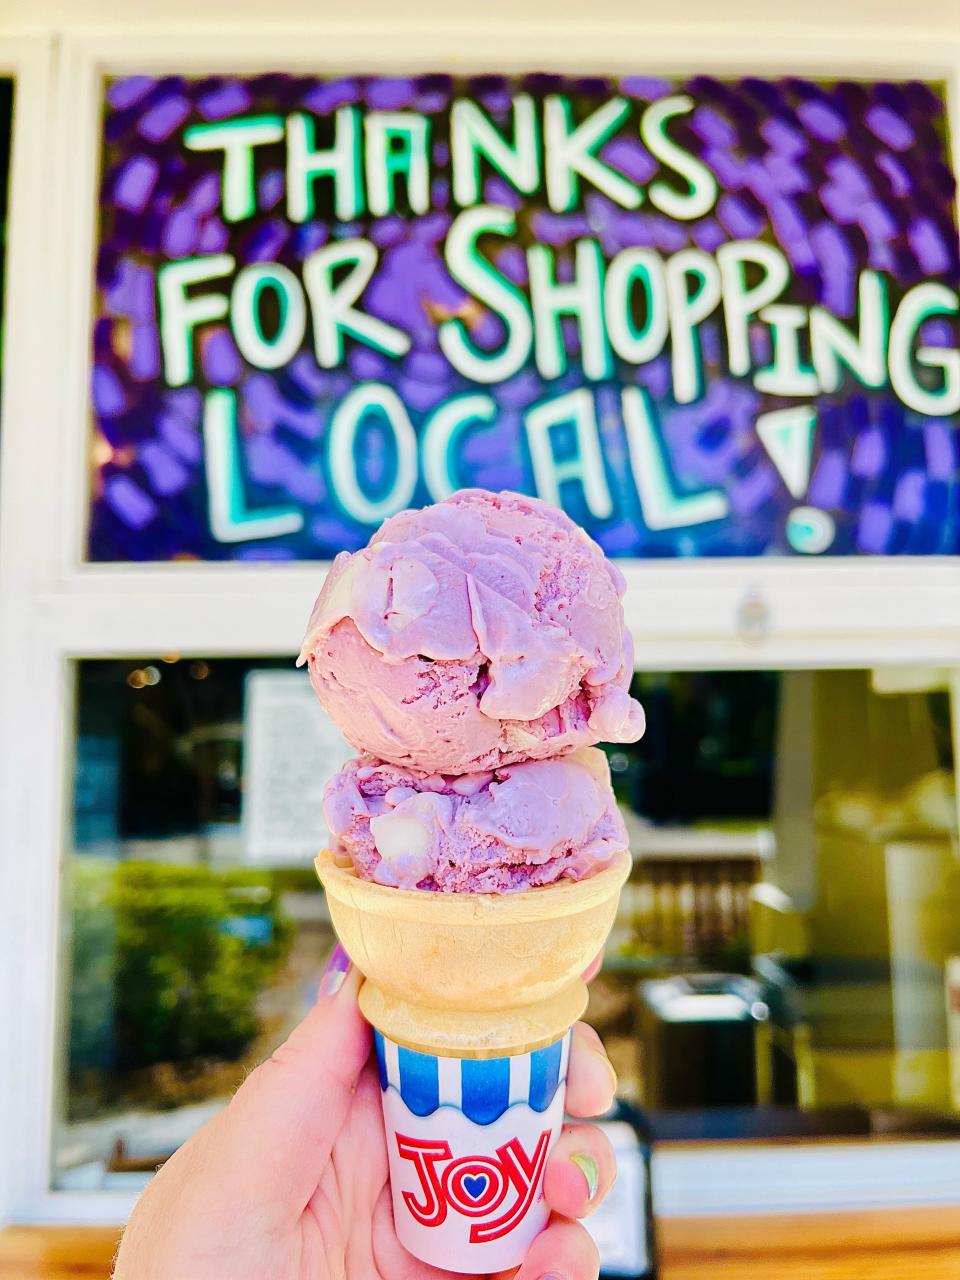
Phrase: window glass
pixel 708 316
pixel 196 932
pixel 786 959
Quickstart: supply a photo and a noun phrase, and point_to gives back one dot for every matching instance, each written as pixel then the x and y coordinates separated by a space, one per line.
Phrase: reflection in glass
pixel 195 929
pixel 786 959
pixel 785 947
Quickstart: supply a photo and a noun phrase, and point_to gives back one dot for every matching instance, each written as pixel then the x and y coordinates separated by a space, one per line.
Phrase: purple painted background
pixel 842 176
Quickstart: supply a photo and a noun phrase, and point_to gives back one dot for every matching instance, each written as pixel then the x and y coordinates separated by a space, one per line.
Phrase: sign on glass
pixel 707 317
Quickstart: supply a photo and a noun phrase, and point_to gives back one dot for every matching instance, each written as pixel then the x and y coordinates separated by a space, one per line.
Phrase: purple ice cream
pixel 515 827
pixel 480 631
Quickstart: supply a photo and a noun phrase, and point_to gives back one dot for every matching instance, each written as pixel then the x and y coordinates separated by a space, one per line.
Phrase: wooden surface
pixel 916 1244
pixel 56 1253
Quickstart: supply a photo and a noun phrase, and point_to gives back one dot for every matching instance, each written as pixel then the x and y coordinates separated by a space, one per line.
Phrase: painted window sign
pixel 707 317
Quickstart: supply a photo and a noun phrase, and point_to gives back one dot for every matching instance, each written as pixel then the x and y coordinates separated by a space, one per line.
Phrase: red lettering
pixel 425 1156
pixel 525 1173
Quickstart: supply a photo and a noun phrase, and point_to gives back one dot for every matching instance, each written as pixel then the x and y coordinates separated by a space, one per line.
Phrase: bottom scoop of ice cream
pixel 517 827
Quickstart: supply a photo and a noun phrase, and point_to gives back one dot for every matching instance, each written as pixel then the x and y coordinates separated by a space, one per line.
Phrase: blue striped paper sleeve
pixel 482 1089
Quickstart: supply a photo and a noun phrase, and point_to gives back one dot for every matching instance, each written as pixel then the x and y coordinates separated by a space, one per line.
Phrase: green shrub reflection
pixel 168 962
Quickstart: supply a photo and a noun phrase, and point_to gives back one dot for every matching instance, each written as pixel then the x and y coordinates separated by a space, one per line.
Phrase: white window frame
pixel 54 608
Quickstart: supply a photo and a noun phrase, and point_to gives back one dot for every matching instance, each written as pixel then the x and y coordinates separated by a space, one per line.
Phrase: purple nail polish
pixel 338 966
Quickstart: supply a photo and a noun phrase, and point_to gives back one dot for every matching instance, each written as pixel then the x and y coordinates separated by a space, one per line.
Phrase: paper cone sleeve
pixel 472 975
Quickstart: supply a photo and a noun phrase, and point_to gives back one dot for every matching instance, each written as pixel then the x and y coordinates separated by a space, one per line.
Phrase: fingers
pixel 591 1080
pixel 563 1252
pixel 580 1171
pixel 278 1130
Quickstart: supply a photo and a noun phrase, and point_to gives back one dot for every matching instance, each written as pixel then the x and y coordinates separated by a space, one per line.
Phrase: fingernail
pixel 611 1070
pixel 588 1167
pixel 338 966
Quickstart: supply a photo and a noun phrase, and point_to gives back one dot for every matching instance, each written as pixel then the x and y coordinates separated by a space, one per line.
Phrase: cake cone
pixel 472 997
pixel 472 975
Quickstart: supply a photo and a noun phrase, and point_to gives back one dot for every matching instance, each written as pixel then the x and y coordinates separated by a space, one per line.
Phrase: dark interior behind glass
pixel 786 960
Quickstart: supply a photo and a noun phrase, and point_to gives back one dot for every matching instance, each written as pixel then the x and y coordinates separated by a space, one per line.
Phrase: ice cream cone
pixel 510 618
pixel 472 975
pixel 472 996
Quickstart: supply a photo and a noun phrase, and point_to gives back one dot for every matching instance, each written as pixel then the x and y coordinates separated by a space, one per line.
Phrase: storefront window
pixel 708 316
pixel 786 959
pixel 714 317
pixel 196 932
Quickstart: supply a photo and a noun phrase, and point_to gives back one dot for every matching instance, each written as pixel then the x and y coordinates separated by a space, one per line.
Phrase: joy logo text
pixel 497 1191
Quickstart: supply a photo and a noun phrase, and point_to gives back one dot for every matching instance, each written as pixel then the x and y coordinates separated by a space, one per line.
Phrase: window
pixel 75 631
pixel 320 299
pixel 785 961
pixel 194 930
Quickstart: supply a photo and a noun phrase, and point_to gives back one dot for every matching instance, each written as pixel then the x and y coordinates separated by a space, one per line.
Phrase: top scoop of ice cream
pixel 482 630
pixel 517 827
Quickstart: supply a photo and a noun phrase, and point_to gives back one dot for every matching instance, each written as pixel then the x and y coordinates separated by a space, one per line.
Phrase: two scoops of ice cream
pixel 474 653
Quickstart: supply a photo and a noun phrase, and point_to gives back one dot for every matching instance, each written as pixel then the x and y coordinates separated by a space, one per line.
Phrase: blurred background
pixel 784 964
pixel 246 319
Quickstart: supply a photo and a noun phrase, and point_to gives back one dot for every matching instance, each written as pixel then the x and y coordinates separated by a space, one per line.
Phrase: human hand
pixel 289 1181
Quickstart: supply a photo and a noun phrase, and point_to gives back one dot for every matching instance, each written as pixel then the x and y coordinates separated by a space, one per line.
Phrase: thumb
pixel 276 1135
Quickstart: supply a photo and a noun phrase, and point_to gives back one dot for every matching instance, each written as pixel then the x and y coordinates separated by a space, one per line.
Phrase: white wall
pixel 866 17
